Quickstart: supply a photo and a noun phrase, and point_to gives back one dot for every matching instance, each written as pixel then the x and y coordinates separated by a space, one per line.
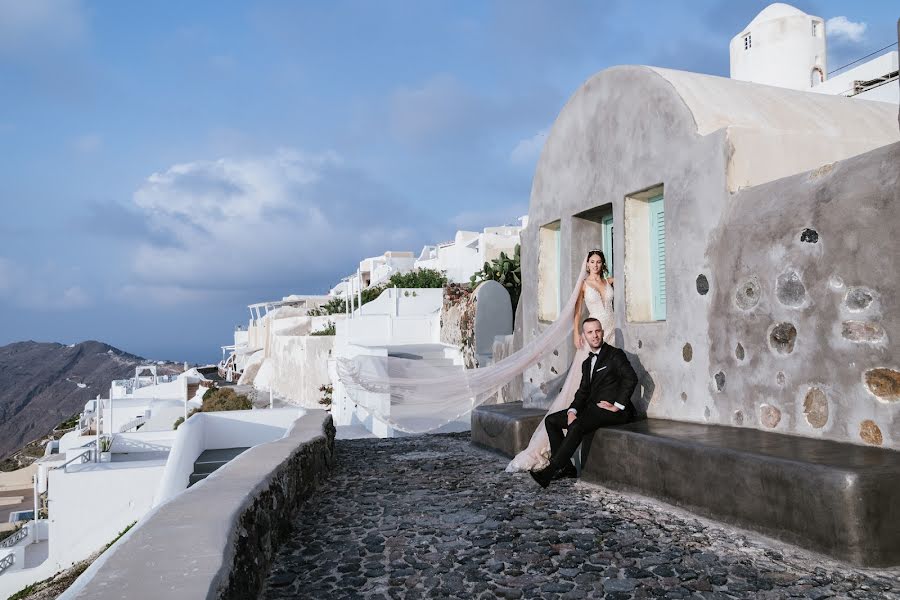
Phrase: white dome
pixel 775 11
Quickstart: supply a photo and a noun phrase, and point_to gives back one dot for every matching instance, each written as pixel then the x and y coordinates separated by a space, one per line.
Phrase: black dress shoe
pixel 567 472
pixel 544 476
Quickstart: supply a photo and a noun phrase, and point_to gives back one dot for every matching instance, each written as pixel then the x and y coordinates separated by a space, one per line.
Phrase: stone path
pixel 434 517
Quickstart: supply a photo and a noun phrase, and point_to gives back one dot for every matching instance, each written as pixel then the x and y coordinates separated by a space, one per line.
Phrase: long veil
pixel 416 397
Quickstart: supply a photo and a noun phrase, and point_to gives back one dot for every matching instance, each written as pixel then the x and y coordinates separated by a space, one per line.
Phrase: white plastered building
pixel 785 47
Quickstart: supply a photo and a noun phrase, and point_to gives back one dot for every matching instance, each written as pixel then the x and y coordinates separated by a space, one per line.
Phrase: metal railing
pixel 15 538
pixel 7 561
pixel 132 424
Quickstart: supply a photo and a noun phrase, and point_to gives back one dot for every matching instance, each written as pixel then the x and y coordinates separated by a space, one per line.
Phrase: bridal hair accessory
pixel 416 397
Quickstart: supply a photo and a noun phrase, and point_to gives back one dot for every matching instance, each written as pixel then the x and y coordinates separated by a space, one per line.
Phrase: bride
pixel 597 295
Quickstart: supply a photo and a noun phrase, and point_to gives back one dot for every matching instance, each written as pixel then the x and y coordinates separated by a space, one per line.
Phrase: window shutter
pixel 608 243
pixel 658 257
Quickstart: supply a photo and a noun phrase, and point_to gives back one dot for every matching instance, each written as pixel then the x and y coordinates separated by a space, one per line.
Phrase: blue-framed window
pixel 608 242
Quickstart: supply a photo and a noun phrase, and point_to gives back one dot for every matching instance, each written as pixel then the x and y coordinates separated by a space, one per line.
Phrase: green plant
pixel 335 306
pixel 180 420
pixel 105 443
pixel 418 278
pixel 327 391
pixel 329 329
pixel 118 537
pixel 505 270
pixel 219 399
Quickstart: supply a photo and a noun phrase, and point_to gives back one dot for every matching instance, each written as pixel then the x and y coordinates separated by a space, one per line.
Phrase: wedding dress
pixel 537 454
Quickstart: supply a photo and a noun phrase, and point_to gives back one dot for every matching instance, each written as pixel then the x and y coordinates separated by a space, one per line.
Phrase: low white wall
pixel 188 445
pixel 296 367
pixel 404 302
pixel 174 390
pixel 210 431
pixel 385 330
pixel 143 441
pixel 88 508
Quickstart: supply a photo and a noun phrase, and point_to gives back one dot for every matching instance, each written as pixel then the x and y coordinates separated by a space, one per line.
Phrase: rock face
pixel 43 384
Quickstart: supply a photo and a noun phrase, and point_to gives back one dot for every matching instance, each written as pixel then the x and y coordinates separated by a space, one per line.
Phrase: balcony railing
pixel 7 561
pixel 15 538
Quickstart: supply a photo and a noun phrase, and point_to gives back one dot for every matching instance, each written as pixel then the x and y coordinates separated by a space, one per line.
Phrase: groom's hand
pixel 570 418
pixel 607 406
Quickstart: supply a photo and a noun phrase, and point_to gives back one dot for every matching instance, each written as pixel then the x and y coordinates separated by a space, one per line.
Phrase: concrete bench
pixel 839 499
pixel 505 428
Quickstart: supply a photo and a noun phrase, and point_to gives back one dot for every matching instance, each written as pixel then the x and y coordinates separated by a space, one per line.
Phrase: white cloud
pixel 843 29
pixel 38 288
pixel 284 219
pixel 40 25
pixel 88 143
pixel 528 150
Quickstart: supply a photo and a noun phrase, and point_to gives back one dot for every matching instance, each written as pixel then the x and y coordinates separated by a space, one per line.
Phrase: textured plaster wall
pixel 804 305
pixel 630 128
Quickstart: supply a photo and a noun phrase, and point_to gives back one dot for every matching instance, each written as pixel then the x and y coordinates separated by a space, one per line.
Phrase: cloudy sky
pixel 166 163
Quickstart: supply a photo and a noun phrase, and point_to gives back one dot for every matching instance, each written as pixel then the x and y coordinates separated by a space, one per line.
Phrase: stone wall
pixel 218 538
pixel 804 305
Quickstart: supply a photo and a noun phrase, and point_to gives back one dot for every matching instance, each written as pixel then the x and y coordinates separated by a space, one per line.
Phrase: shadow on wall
pixel 643 393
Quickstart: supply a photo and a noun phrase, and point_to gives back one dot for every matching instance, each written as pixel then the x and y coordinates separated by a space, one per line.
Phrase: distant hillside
pixel 43 384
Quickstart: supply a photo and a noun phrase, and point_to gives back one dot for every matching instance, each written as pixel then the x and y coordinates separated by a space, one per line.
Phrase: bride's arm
pixel 576 327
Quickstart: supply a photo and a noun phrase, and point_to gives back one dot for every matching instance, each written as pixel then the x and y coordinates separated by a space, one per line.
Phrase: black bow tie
pixel 593 354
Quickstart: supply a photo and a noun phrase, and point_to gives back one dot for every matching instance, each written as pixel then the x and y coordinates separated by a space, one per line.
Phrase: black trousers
pixel 589 419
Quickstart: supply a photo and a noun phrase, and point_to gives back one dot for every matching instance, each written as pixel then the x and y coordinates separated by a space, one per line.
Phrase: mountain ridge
pixel 45 383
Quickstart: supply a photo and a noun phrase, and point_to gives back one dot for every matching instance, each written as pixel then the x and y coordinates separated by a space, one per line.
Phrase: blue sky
pixel 167 163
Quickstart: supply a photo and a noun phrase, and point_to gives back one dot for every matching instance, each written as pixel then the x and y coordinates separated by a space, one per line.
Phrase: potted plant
pixel 105 447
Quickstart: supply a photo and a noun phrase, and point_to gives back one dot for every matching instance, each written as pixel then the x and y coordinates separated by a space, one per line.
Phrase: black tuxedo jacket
pixel 613 380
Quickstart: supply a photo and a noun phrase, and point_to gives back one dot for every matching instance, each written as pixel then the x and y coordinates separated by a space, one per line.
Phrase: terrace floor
pixel 433 516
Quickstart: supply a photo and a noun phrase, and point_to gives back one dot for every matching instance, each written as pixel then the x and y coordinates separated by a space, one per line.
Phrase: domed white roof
pixel 774 11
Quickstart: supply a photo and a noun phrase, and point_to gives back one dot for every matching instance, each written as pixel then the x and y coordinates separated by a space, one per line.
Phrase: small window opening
pixel 549 241
pixel 748 42
pixel 816 77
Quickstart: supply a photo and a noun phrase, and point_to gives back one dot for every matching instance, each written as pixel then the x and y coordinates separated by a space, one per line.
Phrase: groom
pixel 602 399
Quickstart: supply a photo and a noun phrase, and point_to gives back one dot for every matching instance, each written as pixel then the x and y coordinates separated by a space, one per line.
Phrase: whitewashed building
pixel 785 47
pixel 469 250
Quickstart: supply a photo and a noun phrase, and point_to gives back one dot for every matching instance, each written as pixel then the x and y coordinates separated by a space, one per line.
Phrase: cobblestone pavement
pixel 434 517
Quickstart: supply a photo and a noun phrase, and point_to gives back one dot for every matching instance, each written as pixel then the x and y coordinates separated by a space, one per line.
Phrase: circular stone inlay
pixel 862 331
pixel 684 396
pixel 687 352
pixel 702 285
pixel 747 294
pixel 870 433
pixel 769 415
pixel 883 383
pixel 858 299
pixel 815 407
pixel 790 289
pixel 809 235
pixel 739 352
pixel 720 381
pixel 782 338
pixel 738 417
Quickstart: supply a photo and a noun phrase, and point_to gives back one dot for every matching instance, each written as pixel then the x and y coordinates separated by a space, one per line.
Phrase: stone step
pixel 210 460
pixel 195 477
